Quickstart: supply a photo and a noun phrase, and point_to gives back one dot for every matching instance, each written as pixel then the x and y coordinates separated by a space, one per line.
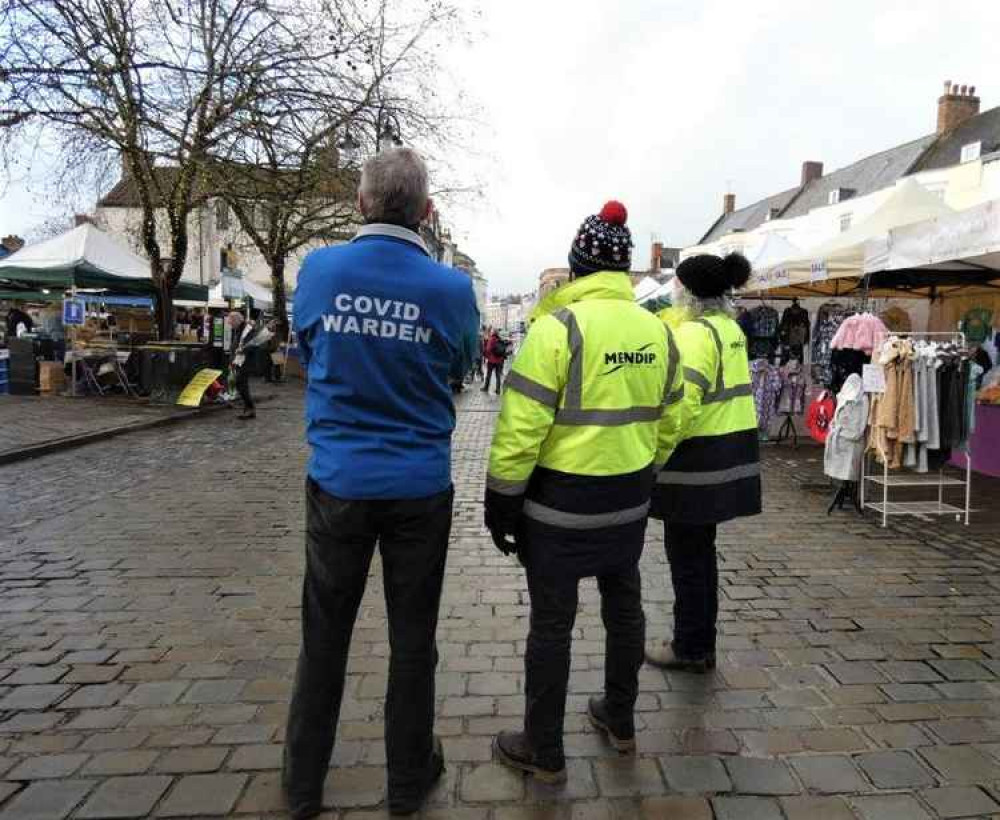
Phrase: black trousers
pixel 555 561
pixel 694 571
pixel 492 369
pixel 242 384
pixel 412 535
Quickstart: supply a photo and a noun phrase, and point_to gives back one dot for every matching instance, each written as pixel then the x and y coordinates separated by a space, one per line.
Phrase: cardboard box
pixel 51 377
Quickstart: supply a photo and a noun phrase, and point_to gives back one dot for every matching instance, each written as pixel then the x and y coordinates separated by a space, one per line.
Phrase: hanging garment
pixel 845 444
pixel 896 320
pixel 763 336
pixel 792 398
pixel 828 320
pixel 977 325
pixel 765 380
pixel 793 333
pixel 820 416
pixel 844 363
pixel 893 419
pixel 864 331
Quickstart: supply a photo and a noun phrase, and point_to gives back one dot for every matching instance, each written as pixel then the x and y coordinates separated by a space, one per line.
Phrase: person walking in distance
pixel 496 354
pixel 714 473
pixel 590 410
pixel 384 330
pixel 243 333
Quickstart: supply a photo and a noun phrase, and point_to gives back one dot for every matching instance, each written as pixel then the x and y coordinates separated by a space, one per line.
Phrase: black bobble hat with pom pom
pixel 603 242
pixel 709 277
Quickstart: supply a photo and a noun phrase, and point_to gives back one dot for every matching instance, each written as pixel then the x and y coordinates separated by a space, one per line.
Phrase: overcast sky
pixel 663 104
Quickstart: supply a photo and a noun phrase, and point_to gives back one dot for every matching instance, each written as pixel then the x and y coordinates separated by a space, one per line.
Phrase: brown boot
pixel 620 733
pixel 513 750
pixel 662 654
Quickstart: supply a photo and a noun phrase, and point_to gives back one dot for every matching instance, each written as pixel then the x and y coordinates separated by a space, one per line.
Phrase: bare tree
pixel 162 84
pixel 290 171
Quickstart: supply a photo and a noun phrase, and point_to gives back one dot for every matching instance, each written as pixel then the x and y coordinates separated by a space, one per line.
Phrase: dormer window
pixel 972 151
pixel 838 195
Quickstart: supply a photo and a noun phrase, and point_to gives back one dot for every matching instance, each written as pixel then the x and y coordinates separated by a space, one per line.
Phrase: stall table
pixel 985 442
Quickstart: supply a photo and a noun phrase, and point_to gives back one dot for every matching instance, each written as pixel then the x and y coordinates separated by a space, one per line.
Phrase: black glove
pixel 501 516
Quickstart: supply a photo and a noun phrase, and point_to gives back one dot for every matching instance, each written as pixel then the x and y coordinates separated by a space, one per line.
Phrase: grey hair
pixel 394 187
pixel 697 307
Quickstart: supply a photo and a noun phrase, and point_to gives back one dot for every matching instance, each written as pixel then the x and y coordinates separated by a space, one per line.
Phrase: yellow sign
pixel 191 395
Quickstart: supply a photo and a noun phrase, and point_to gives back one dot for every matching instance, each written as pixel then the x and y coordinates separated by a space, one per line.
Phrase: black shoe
pixel 247 414
pixel 620 733
pixel 512 750
pixel 403 805
pixel 484 390
pixel 300 806
pixel 663 656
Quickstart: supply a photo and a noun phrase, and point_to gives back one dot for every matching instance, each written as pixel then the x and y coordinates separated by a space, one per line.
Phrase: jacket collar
pixel 393 232
pixel 603 285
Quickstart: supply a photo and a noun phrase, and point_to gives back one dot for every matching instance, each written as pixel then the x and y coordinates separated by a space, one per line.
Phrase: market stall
pixel 86 286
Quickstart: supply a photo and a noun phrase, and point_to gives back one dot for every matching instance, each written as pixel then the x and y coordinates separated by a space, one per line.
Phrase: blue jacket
pixel 382 327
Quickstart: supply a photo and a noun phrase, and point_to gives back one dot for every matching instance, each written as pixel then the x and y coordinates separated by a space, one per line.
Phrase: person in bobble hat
pixel 713 475
pixel 588 413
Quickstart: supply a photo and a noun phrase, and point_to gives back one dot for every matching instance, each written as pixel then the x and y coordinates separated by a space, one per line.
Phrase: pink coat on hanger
pixel 865 332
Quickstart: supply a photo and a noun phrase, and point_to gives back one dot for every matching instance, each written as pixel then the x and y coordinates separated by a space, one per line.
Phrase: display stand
pixel 787 430
pixel 886 507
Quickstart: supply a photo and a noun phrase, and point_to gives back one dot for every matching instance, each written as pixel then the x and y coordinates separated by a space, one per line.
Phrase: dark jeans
pixel 412 535
pixel 695 574
pixel 492 369
pixel 242 384
pixel 555 562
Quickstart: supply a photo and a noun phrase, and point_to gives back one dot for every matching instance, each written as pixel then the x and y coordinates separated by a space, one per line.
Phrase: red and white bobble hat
pixel 603 242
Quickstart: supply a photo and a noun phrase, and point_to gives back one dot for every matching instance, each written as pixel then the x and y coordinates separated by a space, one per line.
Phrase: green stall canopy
pixel 86 257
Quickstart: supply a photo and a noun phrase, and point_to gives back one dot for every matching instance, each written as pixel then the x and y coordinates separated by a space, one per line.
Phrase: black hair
pixel 737 270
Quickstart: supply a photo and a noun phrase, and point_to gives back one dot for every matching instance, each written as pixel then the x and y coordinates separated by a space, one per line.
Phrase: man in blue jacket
pixel 382 328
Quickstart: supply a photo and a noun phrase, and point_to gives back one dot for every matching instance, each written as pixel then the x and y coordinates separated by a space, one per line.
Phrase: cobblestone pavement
pixel 27 421
pixel 149 592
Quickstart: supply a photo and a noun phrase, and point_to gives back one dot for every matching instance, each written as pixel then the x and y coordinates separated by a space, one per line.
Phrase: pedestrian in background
pixel 589 412
pixel 384 330
pixel 477 370
pixel 714 474
pixel 496 355
pixel 242 330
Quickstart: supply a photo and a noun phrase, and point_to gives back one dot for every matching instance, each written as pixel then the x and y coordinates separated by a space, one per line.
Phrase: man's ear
pixel 429 210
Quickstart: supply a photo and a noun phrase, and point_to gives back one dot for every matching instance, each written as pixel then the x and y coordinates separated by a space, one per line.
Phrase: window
pixel 839 195
pixel 845 222
pixel 221 215
pixel 972 151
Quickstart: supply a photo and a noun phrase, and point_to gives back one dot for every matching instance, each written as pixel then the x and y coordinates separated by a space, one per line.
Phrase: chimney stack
pixel 728 203
pixel 656 257
pixel 811 171
pixel 955 106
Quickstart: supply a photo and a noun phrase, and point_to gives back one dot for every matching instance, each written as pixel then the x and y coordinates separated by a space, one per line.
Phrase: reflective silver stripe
pixel 576 521
pixel 673 398
pixel 673 362
pixel 720 372
pixel 694 376
pixel 721 393
pixel 708 477
pixel 607 418
pixel 505 487
pixel 728 393
pixel 574 381
pixel 532 389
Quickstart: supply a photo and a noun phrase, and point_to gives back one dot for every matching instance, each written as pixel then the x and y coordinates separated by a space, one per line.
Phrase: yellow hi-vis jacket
pixel 591 406
pixel 714 473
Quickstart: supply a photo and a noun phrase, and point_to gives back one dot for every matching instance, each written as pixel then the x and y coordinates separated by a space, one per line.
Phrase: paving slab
pixel 852 659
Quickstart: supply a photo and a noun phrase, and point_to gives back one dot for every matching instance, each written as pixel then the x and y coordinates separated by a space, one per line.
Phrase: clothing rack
pixel 885 507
